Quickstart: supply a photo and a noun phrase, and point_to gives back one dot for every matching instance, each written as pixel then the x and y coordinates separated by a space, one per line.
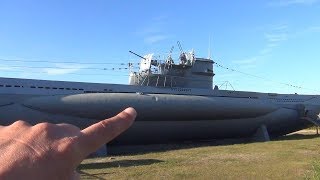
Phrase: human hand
pixel 53 151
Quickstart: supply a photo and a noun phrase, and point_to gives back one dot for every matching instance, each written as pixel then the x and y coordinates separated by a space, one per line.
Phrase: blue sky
pixel 276 39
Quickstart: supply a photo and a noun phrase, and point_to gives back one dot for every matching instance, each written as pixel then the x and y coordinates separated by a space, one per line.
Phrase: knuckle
pixel 69 127
pixel 44 126
pixel 20 123
pixel 104 124
pixel 111 128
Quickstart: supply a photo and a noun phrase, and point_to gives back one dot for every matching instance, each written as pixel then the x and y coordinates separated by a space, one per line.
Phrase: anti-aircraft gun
pixel 190 72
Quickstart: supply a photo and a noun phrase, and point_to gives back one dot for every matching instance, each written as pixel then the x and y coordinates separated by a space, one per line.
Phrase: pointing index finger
pixel 96 135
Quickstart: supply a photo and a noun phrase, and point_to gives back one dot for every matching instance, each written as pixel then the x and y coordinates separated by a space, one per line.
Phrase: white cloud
pixel 249 66
pixel 4 67
pixel 51 71
pixel 275 38
pixel 280 27
pixel 62 69
pixel 155 39
pixel 314 29
pixel 305 31
pixel 272 45
pixel 249 61
pixel 155 30
pixel 283 3
pixel 152 29
pixel 265 51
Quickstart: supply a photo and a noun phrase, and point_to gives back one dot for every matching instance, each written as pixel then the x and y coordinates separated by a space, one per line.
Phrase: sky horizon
pixel 272 44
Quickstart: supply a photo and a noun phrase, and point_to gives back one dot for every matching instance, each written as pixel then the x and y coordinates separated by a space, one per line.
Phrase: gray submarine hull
pixel 162 118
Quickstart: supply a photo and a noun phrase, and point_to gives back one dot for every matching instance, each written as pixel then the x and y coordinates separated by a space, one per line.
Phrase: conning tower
pixel 190 72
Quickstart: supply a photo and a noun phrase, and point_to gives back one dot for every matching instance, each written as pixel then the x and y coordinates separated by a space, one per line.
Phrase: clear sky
pixel 278 40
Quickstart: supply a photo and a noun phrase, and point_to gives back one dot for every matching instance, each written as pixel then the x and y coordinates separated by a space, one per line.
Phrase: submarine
pixel 175 102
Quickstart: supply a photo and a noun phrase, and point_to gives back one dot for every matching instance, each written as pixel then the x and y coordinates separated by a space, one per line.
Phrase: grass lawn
pixel 295 156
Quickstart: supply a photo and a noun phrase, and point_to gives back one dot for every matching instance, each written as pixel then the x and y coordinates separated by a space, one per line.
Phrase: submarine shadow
pixel 144 149
pixel 113 164
pixel 119 163
pixel 85 175
pixel 296 137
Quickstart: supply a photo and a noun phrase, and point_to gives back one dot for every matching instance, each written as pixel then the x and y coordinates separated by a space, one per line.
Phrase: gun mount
pixel 190 72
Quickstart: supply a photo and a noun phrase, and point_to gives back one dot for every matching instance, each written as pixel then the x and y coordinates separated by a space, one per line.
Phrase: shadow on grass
pixel 142 149
pixel 85 175
pixel 120 163
pixel 296 137
pixel 82 168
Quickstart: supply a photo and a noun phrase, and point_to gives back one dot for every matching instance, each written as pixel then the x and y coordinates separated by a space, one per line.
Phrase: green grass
pixel 292 157
pixel 316 170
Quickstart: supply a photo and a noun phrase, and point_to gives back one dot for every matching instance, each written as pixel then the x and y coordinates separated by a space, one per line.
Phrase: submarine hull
pixel 278 123
pixel 151 107
pixel 161 118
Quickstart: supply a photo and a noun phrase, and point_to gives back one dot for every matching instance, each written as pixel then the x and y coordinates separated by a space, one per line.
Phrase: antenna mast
pixel 171 50
pixel 209 48
pixel 178 42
